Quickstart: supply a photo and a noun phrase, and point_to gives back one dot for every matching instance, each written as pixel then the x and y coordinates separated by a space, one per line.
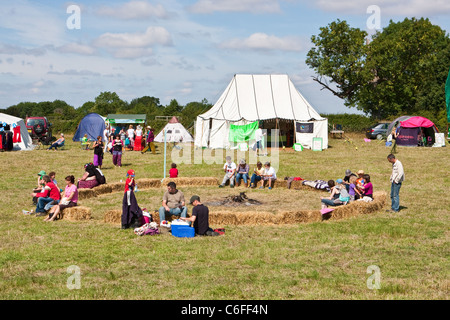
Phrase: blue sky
pixel 173 49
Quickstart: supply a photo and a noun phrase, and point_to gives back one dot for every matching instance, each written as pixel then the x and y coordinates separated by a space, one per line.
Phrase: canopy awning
pixel 126 118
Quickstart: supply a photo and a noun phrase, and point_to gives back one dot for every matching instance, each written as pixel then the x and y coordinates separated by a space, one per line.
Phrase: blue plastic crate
pixel 181 231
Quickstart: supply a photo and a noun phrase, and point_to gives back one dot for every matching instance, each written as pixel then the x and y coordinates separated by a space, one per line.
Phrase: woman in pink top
pixel 70 199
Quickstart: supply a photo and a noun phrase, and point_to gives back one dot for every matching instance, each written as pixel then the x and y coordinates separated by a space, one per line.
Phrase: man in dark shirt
pixel 200 218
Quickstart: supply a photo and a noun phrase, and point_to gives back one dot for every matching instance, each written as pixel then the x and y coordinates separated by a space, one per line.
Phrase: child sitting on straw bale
pixel 230 170
pixel 343 198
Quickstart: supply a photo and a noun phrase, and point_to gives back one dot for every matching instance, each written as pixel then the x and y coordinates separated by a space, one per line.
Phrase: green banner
pixel 447 96
pixel 242 133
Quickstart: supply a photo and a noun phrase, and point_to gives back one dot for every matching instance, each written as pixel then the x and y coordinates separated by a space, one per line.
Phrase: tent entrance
pixel 286 133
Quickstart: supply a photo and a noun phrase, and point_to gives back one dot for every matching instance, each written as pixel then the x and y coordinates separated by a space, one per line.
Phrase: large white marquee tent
pixel 250 98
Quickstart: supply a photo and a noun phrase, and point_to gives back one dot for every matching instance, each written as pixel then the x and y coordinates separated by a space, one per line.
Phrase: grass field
pixel 326 260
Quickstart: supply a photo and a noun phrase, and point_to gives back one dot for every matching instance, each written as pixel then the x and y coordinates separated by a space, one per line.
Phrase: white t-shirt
pixel 258 134
pixel 230 167
pixel 270 172
pixel 130 133
pixel 138 132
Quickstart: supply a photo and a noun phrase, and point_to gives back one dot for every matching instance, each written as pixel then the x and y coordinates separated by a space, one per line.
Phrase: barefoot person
pixel 69 200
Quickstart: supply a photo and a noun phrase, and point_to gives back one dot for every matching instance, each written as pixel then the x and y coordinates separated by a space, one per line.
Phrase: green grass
pixel 326 260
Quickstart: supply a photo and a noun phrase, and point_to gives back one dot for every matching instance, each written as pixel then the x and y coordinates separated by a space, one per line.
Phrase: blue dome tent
pixel 93 125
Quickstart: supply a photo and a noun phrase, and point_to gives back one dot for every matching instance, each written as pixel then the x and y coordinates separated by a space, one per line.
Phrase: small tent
pixel 410 128
pixel 8 122
pixel 270 99
pixel 93 125
pixel 175 132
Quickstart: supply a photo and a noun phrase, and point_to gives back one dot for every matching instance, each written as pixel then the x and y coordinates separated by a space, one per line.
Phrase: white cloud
pixel 76 48
pixel 265 42
pixel 417 8
pixel 134 10
pixel 252 6
pixel 152 36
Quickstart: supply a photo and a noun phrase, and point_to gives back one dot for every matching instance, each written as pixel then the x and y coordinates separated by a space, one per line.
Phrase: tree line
pixel 65 118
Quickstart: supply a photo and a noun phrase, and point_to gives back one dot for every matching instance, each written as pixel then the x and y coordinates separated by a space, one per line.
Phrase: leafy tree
pixel 107 103
pixel 401 71
pixel 173 109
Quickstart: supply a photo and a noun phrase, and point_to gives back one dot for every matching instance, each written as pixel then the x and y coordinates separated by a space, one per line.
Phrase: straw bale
pixel 113 216
pixel 223 218
pixel 103 189
pixel 117 186
pixel 77 213
pixel 301 216
pixel 191 181
pixel 147 183
pixel 360 207
pixel 86 194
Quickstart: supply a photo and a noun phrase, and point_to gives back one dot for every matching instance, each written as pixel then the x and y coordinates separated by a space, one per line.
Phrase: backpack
pixel 100 176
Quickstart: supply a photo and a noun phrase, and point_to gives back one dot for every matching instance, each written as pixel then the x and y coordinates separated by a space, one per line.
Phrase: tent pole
pixel 165 151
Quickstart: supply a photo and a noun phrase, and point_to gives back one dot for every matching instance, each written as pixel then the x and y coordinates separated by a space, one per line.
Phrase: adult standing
pixel 200 218
pixel 173 203
pixel 150 140
pixel 106 133
pixel 397 177
pixel 130 134
pixel 117 150
pixel 258 137
pixel 98 152
pixel 138 139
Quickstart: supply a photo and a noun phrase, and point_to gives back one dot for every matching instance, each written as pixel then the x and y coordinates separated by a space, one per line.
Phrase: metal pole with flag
pixel 447 101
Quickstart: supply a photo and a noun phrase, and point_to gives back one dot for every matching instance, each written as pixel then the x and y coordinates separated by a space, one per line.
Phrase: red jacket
pixel 51 191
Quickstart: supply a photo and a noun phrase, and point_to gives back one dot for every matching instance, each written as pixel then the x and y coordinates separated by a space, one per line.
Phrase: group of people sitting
pixel 50 200
pixel 173 204
pixel 260 174
pixel 352 187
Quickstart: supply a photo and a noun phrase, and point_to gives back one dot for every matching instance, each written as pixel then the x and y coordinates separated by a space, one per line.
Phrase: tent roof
pixel 261 97
pixel 174 120
pixel 126 118
pixel 415 122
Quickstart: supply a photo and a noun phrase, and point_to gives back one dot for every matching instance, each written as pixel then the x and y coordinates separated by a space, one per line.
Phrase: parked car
pixel 377 131
pixel 39 129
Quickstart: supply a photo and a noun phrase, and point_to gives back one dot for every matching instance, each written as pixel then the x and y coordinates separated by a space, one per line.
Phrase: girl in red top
pixel 173 173
pixel 130 182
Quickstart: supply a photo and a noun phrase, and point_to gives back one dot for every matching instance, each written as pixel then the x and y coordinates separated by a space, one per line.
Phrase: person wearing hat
pixel 49 195
pixel 348 175
pixel 132 215
pixel 149 140
pixel 242 172
pixel 359 185
pixel 40 185
pixel 200 218
pixel 230 170
pixel 333 200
